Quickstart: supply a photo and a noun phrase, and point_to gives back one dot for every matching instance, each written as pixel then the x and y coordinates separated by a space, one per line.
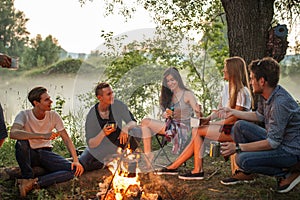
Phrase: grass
pixel 168 187
pixel 86 187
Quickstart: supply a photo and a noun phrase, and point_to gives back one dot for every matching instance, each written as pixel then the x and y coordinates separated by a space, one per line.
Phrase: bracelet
pixel 238 148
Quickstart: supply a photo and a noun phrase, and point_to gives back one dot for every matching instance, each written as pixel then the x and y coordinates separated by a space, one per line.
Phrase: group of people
pixel 271 150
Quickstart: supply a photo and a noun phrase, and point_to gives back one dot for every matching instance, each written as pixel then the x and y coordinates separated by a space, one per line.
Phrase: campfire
pixel 124 184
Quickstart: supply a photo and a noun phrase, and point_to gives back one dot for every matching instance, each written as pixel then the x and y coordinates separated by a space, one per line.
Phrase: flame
pixel 120 167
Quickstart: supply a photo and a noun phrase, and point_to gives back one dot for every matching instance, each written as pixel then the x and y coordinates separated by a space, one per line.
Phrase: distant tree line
pixel 15 41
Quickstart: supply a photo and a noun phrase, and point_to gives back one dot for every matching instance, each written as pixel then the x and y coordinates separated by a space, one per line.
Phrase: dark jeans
pixel 92 159
pixel 271 162
pixel 89 162
pixel 58 169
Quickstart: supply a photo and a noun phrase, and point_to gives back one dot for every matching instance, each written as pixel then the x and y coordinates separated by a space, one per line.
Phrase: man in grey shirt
pixel 272 150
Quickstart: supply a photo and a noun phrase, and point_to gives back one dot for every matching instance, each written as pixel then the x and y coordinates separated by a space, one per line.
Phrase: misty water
pixel 14 90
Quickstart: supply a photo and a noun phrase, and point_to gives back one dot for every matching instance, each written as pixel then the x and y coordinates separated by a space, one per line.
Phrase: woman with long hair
pixel 176 102
pixel 236 94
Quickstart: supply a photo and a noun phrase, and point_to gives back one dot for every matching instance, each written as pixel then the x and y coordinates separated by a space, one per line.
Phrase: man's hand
pixel 54 135
pixel 79 169
pixel 5 61
pixel 108 129
pixel 123 137
pixel 228 148
pixel 50 136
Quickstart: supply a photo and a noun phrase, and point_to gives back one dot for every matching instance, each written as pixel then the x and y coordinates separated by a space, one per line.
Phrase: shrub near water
pixel 65 66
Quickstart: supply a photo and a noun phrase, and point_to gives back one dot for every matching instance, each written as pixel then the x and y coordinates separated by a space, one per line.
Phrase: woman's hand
pixel 168 113
pixel 198 110
pixel 225 112
pixel 204 121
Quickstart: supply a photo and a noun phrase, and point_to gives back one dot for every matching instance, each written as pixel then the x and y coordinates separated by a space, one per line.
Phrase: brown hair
pixel 166 94
pixel 99 87
pixel 35 94
pixel 238 77
pixel 268 68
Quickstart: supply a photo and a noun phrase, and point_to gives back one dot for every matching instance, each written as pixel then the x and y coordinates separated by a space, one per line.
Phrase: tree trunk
pixel 248 22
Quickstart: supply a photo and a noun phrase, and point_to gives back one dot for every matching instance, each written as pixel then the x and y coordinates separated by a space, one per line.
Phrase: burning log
pixel 125 180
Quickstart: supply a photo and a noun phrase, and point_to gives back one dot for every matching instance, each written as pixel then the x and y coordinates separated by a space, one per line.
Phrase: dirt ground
pixel 166 187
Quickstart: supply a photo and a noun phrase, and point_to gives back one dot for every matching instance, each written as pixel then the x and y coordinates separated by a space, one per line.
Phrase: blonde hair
pixel 238 77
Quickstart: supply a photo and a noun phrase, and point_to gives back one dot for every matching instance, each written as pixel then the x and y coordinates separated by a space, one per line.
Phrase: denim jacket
pixel 281 115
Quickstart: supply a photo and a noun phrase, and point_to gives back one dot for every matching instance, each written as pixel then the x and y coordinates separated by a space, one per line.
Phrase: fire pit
pixel 124 184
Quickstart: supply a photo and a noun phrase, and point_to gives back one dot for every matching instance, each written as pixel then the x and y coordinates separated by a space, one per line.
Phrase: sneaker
pixel 190 176
pixel 167 171
pixel 287 184
pixel 26 185
pixel 238 177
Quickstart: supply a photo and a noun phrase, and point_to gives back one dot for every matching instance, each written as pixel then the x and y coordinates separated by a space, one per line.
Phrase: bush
pixel 65 67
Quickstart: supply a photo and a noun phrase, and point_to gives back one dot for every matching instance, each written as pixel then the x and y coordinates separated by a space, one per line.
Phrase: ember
pixel 124 181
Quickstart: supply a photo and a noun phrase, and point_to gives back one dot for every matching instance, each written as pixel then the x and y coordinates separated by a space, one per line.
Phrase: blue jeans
pixel 58 169
pixel 271 162
pixel 89 162
pixel 92 159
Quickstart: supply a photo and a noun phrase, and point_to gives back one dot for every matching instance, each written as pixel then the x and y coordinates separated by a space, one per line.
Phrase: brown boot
pixel 26 185
pixel 286 184
pixel 238 177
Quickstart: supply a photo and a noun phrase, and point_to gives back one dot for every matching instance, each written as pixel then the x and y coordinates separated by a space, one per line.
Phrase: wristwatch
pixel 238 148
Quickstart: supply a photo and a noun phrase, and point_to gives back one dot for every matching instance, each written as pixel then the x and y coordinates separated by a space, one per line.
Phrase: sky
pixel 76 28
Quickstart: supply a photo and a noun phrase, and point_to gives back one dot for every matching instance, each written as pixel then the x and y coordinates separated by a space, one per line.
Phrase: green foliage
pixel 215 43
pixel 287 9
pixel 59 103
pixel 290 65
pixel 7 153
pixel 13 33
pixel 174 46
pixel 42 194
pixel 134 81
pixel 135 71
pixel 88 98
pixel 41 52
pixel 73 123
pixel 68 66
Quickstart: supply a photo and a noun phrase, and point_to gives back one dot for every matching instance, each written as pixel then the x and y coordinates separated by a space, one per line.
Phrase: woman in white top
pixel 236 94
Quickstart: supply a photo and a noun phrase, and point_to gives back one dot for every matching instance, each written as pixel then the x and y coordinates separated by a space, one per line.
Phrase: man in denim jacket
pixel 272 150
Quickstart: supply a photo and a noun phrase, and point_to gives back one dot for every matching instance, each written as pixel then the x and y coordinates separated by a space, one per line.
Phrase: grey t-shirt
pixel 120 114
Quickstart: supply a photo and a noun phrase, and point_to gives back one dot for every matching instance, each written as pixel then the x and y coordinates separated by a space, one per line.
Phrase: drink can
pixel 215 148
